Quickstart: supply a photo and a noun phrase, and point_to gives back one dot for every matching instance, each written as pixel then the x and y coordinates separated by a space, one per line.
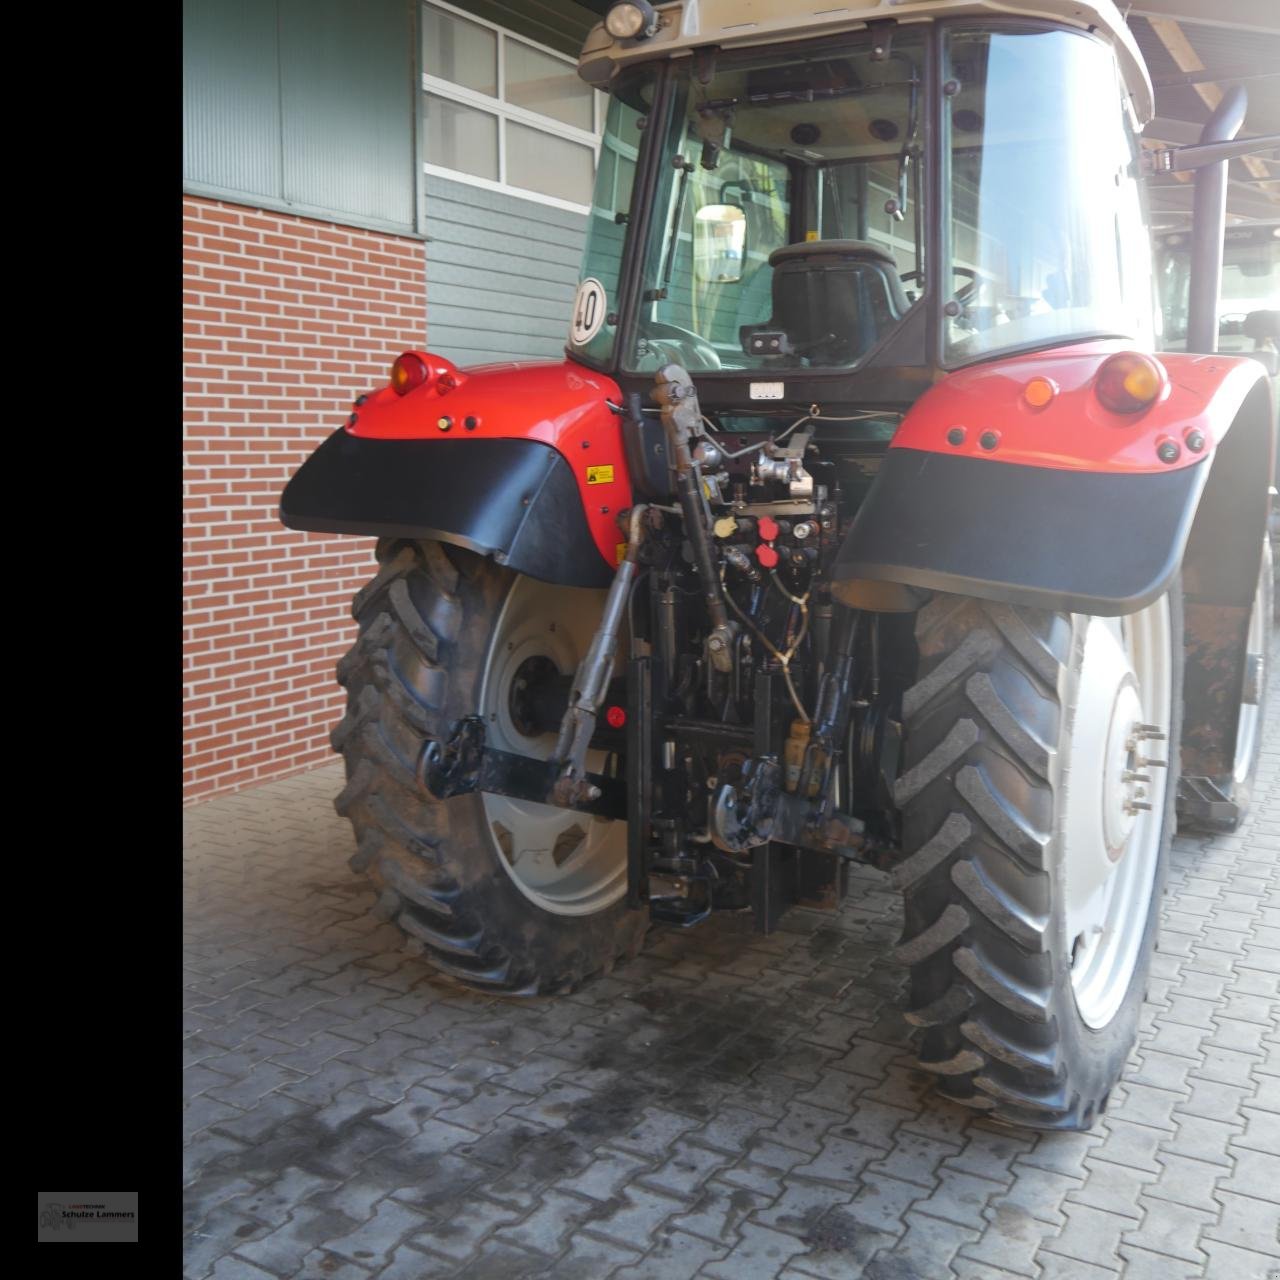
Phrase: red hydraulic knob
pixel 766 555
pixel 768 527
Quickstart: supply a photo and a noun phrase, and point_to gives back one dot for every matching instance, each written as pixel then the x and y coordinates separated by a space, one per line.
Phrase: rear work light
pixel 1129 382
pixel 407 373
pixel 631 20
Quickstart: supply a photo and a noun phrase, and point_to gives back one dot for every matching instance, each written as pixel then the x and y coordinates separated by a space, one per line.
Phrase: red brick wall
pixel 286 321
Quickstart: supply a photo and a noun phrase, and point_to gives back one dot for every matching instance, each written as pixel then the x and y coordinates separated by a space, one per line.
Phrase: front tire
pixel 506 897
pixel 1032 873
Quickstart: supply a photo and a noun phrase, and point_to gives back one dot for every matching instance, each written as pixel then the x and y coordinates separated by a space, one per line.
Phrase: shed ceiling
pixel 1195 51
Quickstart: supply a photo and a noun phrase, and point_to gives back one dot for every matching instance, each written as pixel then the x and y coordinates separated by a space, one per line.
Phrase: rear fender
pixel 1069 506
pixel 522 462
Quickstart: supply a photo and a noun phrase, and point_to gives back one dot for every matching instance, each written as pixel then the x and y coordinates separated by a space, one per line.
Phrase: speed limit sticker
pixel 588 312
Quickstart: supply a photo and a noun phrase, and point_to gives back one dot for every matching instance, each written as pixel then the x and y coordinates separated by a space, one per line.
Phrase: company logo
pixel 53 1217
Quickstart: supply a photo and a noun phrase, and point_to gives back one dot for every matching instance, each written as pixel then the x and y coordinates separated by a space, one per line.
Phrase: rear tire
pixel 1237 787
pixel 429 624
pixel 1027 1013
pixel 1254 705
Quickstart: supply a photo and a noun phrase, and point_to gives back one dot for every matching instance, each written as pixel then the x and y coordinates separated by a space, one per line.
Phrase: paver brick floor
pixel 729 1105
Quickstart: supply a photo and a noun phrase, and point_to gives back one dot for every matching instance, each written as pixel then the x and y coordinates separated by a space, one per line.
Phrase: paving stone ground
pixel 728 1106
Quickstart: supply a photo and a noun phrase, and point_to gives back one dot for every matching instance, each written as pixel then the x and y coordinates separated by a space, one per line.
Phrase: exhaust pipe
pixel 1209 224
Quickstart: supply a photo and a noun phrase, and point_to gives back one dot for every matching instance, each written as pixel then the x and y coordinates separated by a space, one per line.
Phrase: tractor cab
pixel 842 217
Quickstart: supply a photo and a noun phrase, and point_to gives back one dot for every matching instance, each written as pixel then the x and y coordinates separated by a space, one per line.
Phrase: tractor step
pixel 1203 804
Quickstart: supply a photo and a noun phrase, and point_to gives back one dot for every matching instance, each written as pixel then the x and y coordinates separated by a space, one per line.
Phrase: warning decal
pixel 600 475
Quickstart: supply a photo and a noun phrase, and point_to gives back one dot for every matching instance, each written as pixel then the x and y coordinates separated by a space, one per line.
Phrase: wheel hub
pixel 1108 714
pixel 565 862
pixel 1114 801
pixel 1123 786
pixel 531 696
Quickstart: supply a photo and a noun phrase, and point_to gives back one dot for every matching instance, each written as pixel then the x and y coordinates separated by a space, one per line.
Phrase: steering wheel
pixel 964 295
pixel 681 346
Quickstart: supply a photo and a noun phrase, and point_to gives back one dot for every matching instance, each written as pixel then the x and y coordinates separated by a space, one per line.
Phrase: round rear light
pixel 407 373
pixel 1129 382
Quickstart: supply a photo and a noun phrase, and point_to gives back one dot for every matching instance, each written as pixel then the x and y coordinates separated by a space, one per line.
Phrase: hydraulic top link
pixel 681 420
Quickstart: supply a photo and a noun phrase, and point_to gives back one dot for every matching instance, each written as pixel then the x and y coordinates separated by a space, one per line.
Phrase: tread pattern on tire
pixel 397 675
pixel 977 802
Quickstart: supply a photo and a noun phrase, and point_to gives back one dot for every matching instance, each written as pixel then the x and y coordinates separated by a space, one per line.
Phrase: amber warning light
pixel 1129 382
pixel 407 373
pixel 1039 391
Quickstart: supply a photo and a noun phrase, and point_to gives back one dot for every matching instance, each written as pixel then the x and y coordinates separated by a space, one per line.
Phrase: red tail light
pixel 1129 382
pixel 407 373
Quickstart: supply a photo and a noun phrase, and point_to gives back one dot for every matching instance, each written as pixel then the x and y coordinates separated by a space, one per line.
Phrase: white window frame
pixel 505 111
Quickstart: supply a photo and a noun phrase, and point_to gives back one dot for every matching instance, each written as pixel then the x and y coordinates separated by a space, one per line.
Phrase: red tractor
pixel 859 521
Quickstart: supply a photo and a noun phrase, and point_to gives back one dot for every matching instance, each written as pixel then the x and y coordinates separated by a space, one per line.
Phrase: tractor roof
pixel 688 24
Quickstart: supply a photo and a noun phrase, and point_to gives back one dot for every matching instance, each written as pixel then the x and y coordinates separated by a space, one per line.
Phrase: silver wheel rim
pixel 1115 784
pixel 570 864
pixel 1256 647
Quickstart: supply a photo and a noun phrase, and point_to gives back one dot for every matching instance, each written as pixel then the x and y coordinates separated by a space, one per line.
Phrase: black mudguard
pixel 515 500
pixel 1092 543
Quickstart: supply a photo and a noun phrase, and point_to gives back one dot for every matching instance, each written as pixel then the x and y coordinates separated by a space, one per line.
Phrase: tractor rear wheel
pixel 506 896
pixel 1253 699
pixel 1038 809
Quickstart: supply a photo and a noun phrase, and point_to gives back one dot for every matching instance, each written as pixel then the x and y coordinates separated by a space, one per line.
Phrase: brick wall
pixel 286 320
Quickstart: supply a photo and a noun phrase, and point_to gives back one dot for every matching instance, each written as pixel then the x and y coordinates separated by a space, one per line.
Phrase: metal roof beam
pixel 1181 50
pixel 1217 75
pixel 1238 15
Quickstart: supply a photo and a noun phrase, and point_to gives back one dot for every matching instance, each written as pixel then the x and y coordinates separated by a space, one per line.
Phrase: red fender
pixel 559 404
pixel 1074 431
pixel 1070 504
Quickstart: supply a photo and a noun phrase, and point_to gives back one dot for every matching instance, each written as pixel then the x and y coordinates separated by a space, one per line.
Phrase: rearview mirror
pixel 719 243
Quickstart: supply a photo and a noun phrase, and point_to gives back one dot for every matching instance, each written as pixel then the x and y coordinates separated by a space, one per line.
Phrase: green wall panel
pixel 501 273
pixel 308 106
pixel 346 74
pixel 231 96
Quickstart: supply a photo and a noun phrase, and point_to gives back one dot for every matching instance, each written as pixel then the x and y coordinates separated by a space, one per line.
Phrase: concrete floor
pixel 726 1106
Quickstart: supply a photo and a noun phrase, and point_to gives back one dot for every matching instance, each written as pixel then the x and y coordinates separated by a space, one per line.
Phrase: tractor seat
pixel 833 300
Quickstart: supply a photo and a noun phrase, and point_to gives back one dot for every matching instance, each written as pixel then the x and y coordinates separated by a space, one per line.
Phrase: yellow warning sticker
pixel 810 236
pixel 600 475
pixel 620 552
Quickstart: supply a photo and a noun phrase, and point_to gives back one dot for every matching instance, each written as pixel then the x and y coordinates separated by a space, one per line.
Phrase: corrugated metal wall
pixel 307 106
pixel 501 272
pixel 311 107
